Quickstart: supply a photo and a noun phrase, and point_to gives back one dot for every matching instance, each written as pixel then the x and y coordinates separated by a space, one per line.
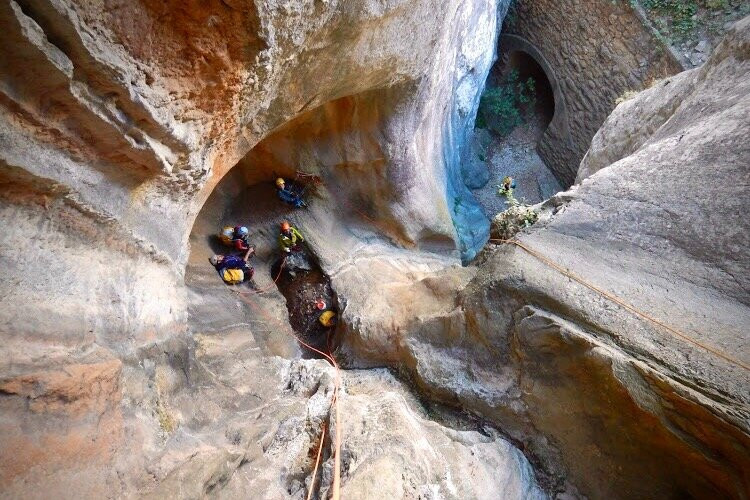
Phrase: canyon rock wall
pixel 119 119
pixel 129 369
pixel 611 401
pixel 593 52
pixel 167 119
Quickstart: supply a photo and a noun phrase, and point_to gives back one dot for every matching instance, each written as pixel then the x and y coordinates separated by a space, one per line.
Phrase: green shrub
pixel 679 12
pixel 517 217
pixel 500 108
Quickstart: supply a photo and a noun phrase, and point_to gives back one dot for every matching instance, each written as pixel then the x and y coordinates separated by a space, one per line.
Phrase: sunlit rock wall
pixel 601 396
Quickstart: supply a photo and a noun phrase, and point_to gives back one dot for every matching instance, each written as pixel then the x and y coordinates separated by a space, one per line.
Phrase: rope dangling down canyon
pixel 334 398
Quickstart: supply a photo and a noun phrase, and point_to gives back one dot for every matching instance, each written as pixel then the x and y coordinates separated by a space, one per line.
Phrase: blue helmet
pixel 242 231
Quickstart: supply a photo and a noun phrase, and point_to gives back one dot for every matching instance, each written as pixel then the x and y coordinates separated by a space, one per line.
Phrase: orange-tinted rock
pixel 58 420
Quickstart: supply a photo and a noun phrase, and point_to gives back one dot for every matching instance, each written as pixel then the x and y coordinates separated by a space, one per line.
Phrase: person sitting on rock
pixel 289 238
pixel 237 237
pixel 234 269
pixel 507 187
pixel 288 194
pixel 241 240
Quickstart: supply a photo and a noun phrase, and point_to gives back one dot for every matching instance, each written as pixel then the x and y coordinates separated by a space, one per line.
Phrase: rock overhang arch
pixel 348 143
pixel 556 145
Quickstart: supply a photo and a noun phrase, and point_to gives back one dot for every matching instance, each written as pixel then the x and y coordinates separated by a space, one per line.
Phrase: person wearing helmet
pixel 222 262
pixel 237 237
pixel 327 319
pixel 227 235
pixel 241 240
pixel 289 238
pixel 288 194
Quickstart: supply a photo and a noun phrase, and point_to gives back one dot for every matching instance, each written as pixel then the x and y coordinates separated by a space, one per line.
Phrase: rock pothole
pixel 310 300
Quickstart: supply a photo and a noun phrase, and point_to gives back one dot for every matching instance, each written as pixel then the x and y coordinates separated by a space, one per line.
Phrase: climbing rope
pixel 624 304
pixel 245 297
pixel 335 495
pixel 317 463
pixel 334 399
pixel 267 287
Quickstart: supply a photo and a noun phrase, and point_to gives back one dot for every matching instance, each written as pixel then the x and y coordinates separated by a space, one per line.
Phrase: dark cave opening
pixel 528 68
pixel 515 111
pixel 247 196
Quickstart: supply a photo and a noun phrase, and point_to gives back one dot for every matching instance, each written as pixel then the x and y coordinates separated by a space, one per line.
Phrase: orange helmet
pixel 285 226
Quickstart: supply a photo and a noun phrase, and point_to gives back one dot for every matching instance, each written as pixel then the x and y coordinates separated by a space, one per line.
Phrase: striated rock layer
pixel 124 374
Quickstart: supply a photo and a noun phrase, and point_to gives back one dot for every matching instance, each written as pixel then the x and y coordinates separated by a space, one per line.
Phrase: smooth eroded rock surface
pixel 598 395
pixel 128 369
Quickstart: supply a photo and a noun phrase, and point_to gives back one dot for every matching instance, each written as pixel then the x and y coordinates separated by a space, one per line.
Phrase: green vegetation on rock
pixel 518 216
pixel 501 108
pixel 679 15
pixel 685 20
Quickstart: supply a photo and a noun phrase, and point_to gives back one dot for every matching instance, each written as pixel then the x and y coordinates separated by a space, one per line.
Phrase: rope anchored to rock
pixel 625 305
pixel 245 297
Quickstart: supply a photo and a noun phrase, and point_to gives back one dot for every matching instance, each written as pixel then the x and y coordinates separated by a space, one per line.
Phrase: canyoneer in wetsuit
pixel 234 269
pixel 237 237
pixel 293 257
pixel 289 238
pixel 288 194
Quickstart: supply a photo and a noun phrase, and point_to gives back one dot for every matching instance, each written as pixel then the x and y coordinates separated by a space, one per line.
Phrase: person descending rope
pixel 290 238
pixel 293 256
pixel 288 193
pixel 234 269
pixel 237 237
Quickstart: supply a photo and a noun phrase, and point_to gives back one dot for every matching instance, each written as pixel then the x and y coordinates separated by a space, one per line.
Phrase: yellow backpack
pixel 327 319
pixel 233 276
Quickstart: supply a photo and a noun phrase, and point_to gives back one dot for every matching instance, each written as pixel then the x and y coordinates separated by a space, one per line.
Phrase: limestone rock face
pixel 128 369
pixel 599 396
pixel 167 118
pixel 122 373
pixel 624 407
pixel 391 451
pixel 67 417
pixel 112 140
